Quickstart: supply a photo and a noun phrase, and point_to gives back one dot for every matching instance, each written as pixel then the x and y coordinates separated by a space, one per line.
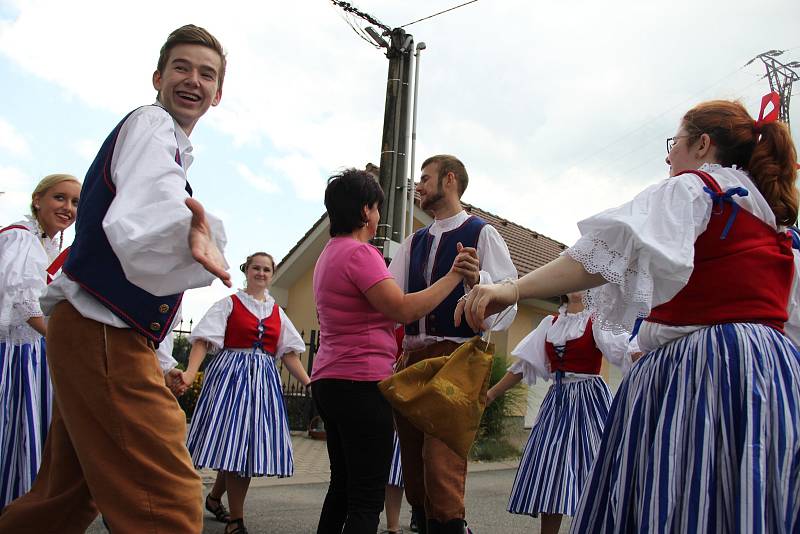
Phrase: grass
pixel 494 436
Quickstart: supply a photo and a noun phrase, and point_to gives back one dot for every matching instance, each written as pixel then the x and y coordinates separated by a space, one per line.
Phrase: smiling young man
pixel 117 440
pixel 433 474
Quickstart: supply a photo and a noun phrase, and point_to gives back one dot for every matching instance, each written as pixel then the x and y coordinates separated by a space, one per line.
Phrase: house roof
pixel 529 250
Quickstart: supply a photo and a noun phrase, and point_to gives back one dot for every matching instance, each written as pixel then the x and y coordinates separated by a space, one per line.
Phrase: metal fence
pixel 300 409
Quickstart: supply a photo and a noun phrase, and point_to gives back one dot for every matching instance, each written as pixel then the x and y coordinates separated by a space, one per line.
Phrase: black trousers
pixel 358 423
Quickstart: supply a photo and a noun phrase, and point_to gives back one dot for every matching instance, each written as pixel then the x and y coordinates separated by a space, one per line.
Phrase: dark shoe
pixel 239 527
pixel 453 526
pixel 218 510
pixel 419 522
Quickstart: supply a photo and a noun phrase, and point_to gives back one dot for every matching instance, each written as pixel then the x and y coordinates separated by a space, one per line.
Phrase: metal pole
pixel 388 148
pixel 394 143
pixel 403 120
pixel 410 228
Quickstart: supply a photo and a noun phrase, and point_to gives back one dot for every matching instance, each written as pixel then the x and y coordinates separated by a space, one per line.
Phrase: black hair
pixel 347 193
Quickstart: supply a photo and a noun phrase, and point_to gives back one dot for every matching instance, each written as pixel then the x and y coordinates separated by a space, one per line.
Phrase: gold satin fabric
pixel 445 396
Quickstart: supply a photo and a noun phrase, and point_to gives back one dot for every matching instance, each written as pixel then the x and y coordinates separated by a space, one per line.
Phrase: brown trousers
pixel 117 439
pixel 433 475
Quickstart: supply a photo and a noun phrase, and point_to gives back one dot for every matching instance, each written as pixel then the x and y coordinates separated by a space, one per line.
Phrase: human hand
pixel 201 243
pixel 174 382
pixel 484 300
pixel 467 264
pixel 635 356
pixel 187 378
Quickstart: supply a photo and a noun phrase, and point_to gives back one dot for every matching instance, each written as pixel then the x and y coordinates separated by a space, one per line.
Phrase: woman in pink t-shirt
pixel 358 305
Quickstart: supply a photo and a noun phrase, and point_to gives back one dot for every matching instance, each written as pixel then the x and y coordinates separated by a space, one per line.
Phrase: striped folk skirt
pixel 396 470
pixel 561 448
pixel 703 436
pixel 26 402
pixel 239 424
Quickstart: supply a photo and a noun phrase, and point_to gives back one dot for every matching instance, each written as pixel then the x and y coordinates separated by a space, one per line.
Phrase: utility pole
pixel 394 144
pixel 393 175
pixel 781 76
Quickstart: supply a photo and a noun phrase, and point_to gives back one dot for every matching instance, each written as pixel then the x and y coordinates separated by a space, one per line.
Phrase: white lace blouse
pixel 24 259
pixel 211 327
pixel 645 249
pixel 532 357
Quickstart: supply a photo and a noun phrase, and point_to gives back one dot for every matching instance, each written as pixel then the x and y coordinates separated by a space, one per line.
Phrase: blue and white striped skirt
pixel 703 436
pixel 239 424
pixel 396 470
pixel 26 402
pixel 561 448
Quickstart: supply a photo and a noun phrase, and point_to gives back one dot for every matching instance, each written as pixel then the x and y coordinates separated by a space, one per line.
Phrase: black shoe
pixel 453 526
pixel 418 521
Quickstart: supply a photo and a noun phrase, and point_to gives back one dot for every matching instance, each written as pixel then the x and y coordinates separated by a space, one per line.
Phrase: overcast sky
pixel 558 109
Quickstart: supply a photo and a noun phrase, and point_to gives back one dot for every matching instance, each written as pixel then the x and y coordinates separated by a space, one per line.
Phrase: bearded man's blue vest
pixel 439 322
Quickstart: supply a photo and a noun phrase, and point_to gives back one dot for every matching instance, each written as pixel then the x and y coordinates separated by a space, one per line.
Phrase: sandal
pixel 219 511
pixel 240 528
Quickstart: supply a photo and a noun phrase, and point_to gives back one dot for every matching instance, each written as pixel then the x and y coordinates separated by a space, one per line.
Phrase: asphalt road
pixel 294 508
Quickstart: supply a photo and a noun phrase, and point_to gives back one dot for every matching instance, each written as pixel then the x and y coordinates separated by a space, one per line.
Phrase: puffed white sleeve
pixel 496 266
pixel 23 263
pixel 531 353
pixel 644 249
pixel 147 224
pixel 614 346
pixel 399 264
pixel 164 354
pixel 211 328
pixel 289 339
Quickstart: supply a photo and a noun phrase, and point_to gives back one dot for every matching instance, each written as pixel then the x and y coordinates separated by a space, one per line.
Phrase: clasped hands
pixel 178 381
pixel 484 300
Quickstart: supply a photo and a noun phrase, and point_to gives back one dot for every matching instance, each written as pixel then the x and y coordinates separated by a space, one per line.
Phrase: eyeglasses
pixel 672 140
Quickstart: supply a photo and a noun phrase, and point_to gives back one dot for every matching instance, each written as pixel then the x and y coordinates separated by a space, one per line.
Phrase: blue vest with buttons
pixel 439 322
pixel 93 265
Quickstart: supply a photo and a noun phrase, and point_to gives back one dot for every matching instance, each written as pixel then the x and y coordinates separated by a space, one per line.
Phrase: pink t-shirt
pixel 356 341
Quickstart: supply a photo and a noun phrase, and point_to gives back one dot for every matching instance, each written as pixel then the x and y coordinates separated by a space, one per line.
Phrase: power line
pixel 741 94
pixel 439 13
pixel 347 7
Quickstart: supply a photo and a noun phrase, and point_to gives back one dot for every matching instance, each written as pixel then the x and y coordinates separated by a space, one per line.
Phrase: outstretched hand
pixel 482 301
pixel 467 264
pixel 201 243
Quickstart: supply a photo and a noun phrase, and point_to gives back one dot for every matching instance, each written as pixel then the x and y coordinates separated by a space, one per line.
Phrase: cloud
pixel 302 172
pixel 557 109
pixel 16 187
pixel 86 149
pixel 259 182
pixel 12 140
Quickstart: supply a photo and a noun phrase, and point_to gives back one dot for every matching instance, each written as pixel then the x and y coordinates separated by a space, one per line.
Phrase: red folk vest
pixel 579 355
pixel 743 270
pixel 245 329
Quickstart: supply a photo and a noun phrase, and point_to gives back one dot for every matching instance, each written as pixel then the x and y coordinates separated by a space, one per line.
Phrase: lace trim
pixel 19 335
pixel 25 310
pixel 629 293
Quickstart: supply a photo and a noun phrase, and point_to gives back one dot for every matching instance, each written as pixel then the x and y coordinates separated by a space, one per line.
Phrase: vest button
pixel 164 308
pixel 155 327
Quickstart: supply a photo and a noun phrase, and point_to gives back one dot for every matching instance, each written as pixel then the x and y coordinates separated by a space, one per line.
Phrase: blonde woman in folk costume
pixel 30 255
pixel 239 426
pixel 704 431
